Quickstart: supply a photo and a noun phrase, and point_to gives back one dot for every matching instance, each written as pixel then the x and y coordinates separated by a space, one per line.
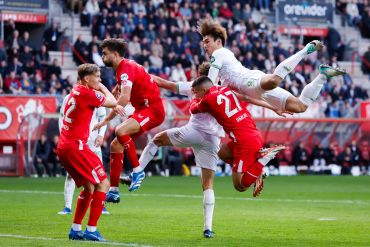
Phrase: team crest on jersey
pixel 213 59
pixel 124 77
pixel 99 96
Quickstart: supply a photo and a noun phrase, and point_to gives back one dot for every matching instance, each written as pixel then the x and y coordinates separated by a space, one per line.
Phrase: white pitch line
pixel 60 239
pixel 360 202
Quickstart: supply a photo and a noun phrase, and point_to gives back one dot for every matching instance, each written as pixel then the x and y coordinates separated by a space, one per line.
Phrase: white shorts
pixel 204 146
pixel 276 97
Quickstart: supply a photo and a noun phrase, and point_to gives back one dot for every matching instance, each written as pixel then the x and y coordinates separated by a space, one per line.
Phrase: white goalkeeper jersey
pixel 203 122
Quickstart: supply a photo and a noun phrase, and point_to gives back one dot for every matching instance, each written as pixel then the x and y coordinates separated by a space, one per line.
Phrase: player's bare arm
pixel 163 83
pixel 110 101
pixel 262 103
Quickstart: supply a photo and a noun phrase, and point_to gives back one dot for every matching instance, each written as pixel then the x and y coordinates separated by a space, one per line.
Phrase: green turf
pixel 168 212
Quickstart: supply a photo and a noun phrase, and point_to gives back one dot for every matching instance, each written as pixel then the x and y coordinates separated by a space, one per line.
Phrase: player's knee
pixel 103 185
pixel 238 187
pixel 271 82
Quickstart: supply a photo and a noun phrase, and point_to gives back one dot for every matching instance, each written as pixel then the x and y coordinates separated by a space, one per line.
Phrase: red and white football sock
pixel 129 146
pixel 116 160
pixel 96 208
pixel 83 204
pixel 251 174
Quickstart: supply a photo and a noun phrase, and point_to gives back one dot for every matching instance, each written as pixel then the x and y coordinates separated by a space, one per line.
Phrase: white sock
pixel 91 228
pixel 312 90
pixel 264 160
pixel 69 189
pixel 208 206
pixel 289 64
pixel 114 189
pixel 137 169
pixel 76 227
pixel 148 154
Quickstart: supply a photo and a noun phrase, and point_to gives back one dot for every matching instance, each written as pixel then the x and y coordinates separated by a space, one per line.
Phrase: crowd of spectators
pixel 355 13
pixel 162 37
pixel 326 160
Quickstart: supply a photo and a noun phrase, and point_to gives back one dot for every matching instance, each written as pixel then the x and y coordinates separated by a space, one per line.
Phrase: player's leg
pixel 146 120
pixel 159 140
pixel 271 81
pixel 208 201
pixel 311 91
pixel 96 208
pixel 116 160
pixel 98 152
pixel 69 188
pixel 205 147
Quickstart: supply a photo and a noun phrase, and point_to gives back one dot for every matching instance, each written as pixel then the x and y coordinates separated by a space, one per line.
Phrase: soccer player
pixel 80 162
pixel 202 133
pixel 246 145
pixel 134 85
pixel 94 142
pixel 255 83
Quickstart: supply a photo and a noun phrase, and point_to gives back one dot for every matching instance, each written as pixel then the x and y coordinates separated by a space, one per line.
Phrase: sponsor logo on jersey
pixel 101 172
pixel 213 59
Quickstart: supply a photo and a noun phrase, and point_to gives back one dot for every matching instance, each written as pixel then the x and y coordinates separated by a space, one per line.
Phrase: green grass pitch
pixel 291 211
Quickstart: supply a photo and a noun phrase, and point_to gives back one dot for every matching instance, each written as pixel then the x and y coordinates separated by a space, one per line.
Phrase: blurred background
pixel 43 41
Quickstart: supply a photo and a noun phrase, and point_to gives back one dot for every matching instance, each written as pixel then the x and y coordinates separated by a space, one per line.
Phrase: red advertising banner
pixel 14 108
pixel 306 31
pixel 365 113
pixel 24 17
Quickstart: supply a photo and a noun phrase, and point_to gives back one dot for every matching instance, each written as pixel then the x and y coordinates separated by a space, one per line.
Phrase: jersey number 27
pixel 223 98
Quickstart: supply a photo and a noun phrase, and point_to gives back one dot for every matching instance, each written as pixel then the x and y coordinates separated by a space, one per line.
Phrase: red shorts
pixel 149 118
pixel 83 165
pixel 245 152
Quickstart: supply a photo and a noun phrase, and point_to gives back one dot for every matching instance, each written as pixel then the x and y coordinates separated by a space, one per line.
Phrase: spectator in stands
pixel 25 56
pixel 41 158
pixel 12 84
pixel 82 49
pixel 51 36
pixel 15 66
pixel 345 161
pixel 318 157
pixel 301 157
pixel 365 66
pixel 95 56
pixel 333 41
pixel 25 41
pixel 43 57
pixel 27 84
pixel 264 6
pixel 92 8
pixel 55 69
pixel 13 42
pixel 53 157
pixel 365 23
pixel 75 5
pixel 352 13
pixel 178 73
pixel 156 63
pixel 355 154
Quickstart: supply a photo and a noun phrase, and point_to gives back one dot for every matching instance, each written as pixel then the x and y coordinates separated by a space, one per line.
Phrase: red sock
pixel 129 146
pixel 83 203
pixel 116 160
pixel 251 174
pixel 97 205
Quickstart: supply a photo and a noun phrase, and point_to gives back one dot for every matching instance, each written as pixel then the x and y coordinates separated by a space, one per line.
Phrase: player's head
pixel 89 75
pixel 201 85
pixel 204 68
pixel 113 50
pixel 214 35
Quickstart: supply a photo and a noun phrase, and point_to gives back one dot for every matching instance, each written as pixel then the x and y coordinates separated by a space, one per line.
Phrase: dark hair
pixel 212 28
pixel 87 69
pixel 204 68
pixel 201 80
pixel 118 45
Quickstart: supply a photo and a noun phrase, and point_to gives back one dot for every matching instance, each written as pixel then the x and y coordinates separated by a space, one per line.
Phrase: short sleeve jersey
pixel 224 106
pixel 231 72
pixel 144 90
pixel 78 111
